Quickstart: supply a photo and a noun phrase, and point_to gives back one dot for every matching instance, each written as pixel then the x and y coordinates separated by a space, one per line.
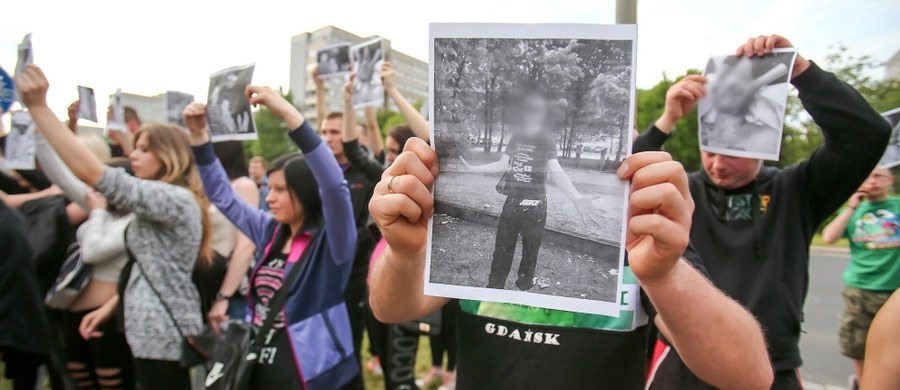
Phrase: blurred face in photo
pixel 230 80
pixel 728 172
pixel 732 90
pixel 531 111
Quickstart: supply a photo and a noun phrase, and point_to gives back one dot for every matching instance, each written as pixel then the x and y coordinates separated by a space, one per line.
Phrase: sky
pixel 148 47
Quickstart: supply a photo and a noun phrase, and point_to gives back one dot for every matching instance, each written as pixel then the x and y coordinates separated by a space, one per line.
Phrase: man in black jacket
pixel 754 224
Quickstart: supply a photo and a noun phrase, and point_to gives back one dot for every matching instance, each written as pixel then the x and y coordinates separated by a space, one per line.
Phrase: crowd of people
pixel 180 237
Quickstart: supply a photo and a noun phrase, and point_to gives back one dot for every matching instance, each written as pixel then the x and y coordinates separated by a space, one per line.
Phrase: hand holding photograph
pixel 334 60
pixel 530 123
pixel 367 59
pixel 227 109
pixel 25 56
pixel 743 114
pixel 891 157
pixel 87 104
pixel 175 104
pixel 20 142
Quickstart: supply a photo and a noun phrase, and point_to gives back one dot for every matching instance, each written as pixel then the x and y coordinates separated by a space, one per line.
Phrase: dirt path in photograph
pixel 463 257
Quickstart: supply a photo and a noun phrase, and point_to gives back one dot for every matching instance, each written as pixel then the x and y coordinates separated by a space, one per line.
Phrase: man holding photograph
pixel 754 224
pixel 504 346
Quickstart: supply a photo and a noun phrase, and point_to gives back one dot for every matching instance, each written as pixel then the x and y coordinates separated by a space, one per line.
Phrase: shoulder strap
pixel 165 305
pixel 278 301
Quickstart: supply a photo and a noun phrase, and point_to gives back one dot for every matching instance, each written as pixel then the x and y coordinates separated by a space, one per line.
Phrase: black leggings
pixel 104 362
pixel 446 341
pixel 161 375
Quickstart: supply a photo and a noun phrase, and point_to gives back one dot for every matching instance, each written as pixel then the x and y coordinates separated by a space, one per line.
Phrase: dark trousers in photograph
pixel 520 217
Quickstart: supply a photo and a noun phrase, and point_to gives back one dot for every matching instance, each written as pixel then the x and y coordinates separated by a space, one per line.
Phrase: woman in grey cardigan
pixel 169 233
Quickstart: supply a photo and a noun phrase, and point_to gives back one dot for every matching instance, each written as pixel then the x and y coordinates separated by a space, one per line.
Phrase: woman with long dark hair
pixel 311 226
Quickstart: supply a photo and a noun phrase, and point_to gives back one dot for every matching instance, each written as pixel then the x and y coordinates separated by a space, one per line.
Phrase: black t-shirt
pixel 507 346
pixel 276 367
pixel 526 174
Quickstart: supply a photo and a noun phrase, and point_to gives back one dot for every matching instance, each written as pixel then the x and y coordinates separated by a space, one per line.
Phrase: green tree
pixel 273 140
pixel 684 145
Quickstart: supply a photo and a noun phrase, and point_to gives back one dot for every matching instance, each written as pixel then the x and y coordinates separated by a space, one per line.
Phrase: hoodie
pixel 755 240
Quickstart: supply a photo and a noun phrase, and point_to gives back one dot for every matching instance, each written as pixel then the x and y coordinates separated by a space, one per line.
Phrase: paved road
pixel 823 362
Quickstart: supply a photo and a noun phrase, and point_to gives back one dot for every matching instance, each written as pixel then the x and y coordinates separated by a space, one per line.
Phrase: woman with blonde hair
pixel 169 234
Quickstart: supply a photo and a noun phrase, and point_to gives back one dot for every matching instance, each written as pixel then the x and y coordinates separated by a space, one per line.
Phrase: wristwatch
pixel 222 297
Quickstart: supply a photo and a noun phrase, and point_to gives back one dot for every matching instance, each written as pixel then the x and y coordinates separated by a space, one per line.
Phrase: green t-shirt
pixel 874 234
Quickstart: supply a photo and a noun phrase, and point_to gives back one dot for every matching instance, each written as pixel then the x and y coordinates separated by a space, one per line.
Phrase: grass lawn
pixel 373 382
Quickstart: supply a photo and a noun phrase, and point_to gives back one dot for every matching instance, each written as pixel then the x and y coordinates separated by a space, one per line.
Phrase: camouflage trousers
pixel 860 307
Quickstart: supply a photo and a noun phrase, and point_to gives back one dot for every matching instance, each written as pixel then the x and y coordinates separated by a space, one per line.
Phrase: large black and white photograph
pixel 87 104
pixel 175 104
pixel 530 123
pixel 227 109
pixel 20 143
pixel 743 113
pixel 25 56
pixel 115 116
pixel 334 60
pixel 891 157
pixel 367 59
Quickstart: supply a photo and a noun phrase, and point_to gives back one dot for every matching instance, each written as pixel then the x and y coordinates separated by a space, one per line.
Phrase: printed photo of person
pixel 20 142
pixel 528 208
pixel 25 57
pixel 228 111
pixel 334 60
pixel 891 157
pixel 367 59
pixel 175 104
pixel 743 115
pixel 87 104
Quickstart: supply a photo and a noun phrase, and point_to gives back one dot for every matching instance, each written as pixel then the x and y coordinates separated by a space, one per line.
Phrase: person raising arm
pixel 688 306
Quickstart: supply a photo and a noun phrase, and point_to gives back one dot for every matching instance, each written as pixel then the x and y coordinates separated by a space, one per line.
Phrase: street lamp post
pixel 626 11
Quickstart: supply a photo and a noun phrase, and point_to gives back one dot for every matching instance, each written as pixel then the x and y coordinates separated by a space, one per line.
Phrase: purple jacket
pixel 316 315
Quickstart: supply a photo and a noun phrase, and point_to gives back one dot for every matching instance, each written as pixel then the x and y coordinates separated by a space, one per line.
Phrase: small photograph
pixel 175 104
pixel 115 116
pixel 25 57
pixel 227 109
pixel 334 60
pixel 891 157
pixel 530 123
pixel 87 104
pixel 367 58
pixel 20 141
pixel 743 114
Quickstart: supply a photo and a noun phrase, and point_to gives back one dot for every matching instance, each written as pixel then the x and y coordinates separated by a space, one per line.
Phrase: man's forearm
pixel 320 106
pixel 350 132
pixel 706 328
pixel 834 230
pixel 397 291
pixel 562 181
pixel 416 122
pixel 375 139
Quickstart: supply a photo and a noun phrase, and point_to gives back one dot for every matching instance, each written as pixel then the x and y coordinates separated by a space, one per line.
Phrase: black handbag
pixel 235 355
pixel 192 351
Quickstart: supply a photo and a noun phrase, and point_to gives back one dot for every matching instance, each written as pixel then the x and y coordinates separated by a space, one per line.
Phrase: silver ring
pixel 391 184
